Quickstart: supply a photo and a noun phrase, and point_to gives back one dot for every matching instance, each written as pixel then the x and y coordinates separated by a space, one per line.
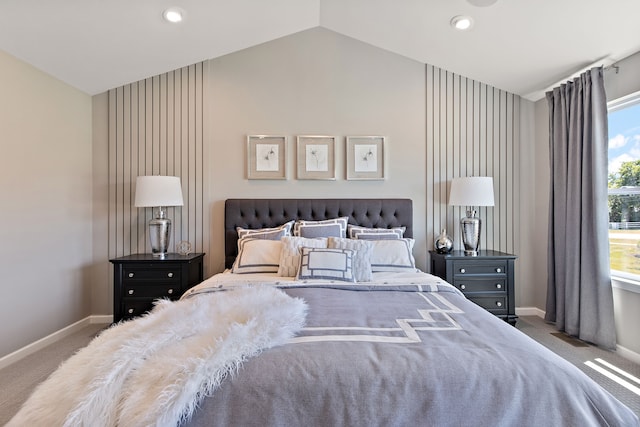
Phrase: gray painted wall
pixel 438 126
pixel 46 215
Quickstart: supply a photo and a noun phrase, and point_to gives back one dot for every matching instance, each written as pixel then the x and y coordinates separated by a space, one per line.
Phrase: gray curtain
pixel 579 295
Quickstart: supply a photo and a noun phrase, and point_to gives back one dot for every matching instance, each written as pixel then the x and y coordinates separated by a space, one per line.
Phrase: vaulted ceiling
pixel 522 46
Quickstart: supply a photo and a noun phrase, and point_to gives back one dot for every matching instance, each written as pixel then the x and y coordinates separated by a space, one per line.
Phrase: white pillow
pixel 361 259
pixel 393 255
pixel 324 228
pixel 273 233
pixel 357 232
pixel 329 264
pixel 257 256
pixel 290 254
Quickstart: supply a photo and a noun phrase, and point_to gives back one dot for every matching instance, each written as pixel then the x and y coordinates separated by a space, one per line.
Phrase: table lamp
pixel 470 192
pixel 158 192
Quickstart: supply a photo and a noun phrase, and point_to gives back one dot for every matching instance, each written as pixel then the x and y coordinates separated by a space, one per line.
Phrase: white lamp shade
pixel 157 191
pixel 471 191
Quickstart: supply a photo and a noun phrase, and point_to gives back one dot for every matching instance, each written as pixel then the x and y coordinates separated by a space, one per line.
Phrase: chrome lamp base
pixel 470 228
pixel 159 233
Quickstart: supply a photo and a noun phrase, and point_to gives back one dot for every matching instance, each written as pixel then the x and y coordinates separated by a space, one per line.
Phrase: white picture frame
pixel 316 157
pixel 365 157
pixel 266 157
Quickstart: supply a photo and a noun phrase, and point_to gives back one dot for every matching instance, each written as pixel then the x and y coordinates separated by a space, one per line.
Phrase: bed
pixel 403 348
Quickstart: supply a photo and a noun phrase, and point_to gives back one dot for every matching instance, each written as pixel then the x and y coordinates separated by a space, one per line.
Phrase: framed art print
pixel 316 157
pixel 365 158
pixel 266 157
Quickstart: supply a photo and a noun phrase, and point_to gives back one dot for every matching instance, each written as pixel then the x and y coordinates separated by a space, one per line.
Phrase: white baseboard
pixel 52 338
pixel 530 311
pixel 628 354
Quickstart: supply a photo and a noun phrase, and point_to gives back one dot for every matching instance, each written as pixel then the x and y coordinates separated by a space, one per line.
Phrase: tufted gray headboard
pixel 260 213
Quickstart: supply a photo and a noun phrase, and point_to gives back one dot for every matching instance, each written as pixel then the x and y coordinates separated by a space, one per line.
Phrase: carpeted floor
pixel 578 352
pixel 18 380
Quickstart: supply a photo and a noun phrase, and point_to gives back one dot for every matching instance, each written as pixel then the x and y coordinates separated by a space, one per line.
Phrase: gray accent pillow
pixel 357 232
pixel 361 258
pixel 302 224
pixel 273 233
pixel 324 263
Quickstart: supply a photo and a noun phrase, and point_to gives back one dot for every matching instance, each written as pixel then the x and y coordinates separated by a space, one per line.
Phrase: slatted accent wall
pixel 156 127
pixel 472 130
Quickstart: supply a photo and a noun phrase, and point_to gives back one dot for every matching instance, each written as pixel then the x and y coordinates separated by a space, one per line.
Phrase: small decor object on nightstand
pixel 184 248
pixel 443 243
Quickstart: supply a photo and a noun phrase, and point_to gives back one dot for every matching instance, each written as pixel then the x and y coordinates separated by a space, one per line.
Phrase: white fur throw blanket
pixel 154 370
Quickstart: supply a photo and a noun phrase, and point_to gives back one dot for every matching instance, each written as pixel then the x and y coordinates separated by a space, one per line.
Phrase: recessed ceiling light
pixel 173 14
pixel 482 3
pixel 461 22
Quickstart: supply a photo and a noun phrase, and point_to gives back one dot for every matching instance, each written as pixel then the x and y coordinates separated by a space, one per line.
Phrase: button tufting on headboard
pixel 260 213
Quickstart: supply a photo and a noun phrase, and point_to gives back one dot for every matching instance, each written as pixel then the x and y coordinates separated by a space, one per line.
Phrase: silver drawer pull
pixel 498 303
pixel 130 291
pixel 130 311
pixel 462 270
pixel 170 274
pixel 130 274
pixel 498 286
pixel 170 291
pixel 498 270
pixel 463 287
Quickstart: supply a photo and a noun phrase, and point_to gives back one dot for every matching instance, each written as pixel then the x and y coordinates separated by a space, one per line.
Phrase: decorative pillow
pixel 331 264
pixel 274 233
pixel 356 232
pixel 290 254
pixel 393 255
pixel 361 263
pixel 257 256
pixel 325 228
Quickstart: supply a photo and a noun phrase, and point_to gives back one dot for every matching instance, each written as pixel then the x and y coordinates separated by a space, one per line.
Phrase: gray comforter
pixel 407 356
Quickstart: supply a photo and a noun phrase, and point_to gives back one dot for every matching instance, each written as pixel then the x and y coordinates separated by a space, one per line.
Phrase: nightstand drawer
pixel 143 273
pixel 481 285
pixel 151 291
pixel 136 307
pixel 496 304
pixel 465 268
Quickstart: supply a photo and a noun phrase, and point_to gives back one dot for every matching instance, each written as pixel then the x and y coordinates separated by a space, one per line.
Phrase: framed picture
pixel 365 157
pixel 316 157
pixel 266 157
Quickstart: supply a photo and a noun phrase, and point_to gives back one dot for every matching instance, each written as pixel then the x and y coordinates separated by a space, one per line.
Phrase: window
pixel 624 187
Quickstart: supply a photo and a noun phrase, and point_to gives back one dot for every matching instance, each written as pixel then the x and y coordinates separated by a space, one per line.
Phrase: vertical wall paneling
pixel 156 128
pixel 472 130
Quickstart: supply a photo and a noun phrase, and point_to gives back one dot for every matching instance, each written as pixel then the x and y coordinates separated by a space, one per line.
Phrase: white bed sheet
pixel 227 279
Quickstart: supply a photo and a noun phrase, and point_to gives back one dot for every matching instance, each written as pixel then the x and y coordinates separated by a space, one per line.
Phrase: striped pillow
pixel 257 256
pixel 273 233
pixel 393 255
pixel 356 232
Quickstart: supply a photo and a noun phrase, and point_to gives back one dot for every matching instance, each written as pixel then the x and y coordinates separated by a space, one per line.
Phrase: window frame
pixel 622 279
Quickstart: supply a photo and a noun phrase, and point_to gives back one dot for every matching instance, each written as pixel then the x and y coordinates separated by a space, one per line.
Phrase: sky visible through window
pixel 624 136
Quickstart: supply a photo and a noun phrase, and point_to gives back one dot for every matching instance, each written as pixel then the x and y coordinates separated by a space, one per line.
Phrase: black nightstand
pixel 486 279
pixel 140 279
